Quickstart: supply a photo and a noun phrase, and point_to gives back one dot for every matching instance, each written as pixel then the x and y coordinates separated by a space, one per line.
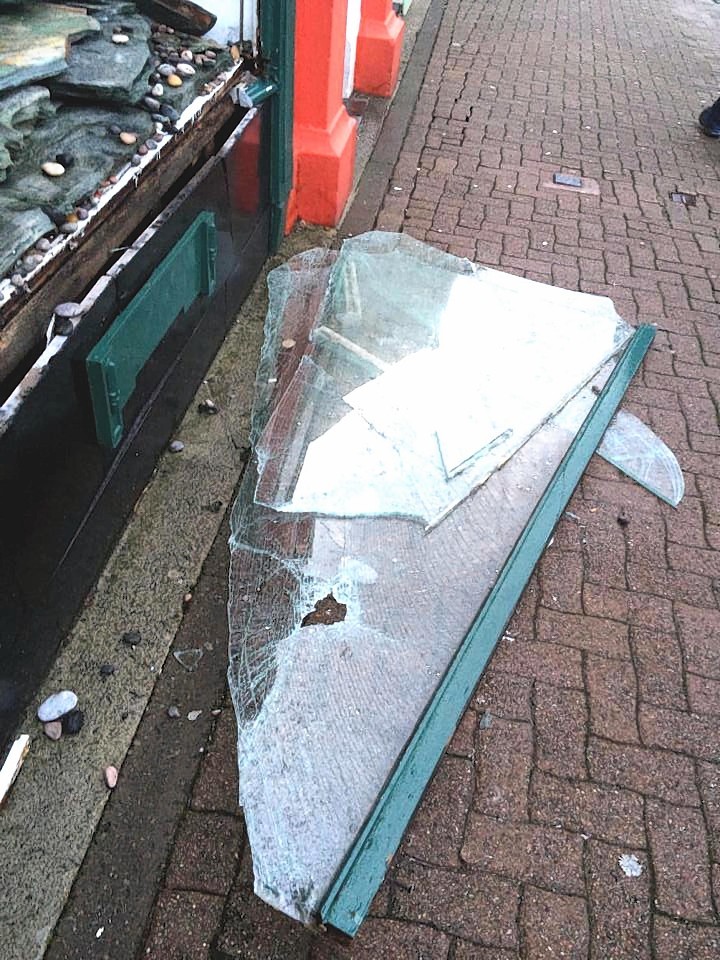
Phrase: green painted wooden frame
pixel 349 897
pixel 113 365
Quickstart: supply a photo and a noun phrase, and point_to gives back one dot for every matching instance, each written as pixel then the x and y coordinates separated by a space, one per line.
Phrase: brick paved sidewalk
pixel 596 730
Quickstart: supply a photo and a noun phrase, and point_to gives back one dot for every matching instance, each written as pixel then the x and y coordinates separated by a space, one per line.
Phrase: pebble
pixel 151 145
pixel 200 60
pixel 186 55
pixel 153 79
pixel 16 280
pixel 68 310
pixel 53 169
pixel 62 327
pixel 131 637
pixel 82 213
pixel 142 149
pixel 128 138
pixel 43 245
pixel 114 129
pixel 72 722
pixel 136 160
pixel 152 104
pixel 113 178
pixel 210 54
pixel 95 199
pixel 57 705
pixel 158 126
pixel 71 218
pixel 111 777
pixel 57 216
pixel 173 712
pixel 168 112
pixel 53 729
pixel 208 407
pixel 193 715
pixel 65 160
pixel 32 260
pixel 159 136
pixel 185 70
pixel 174 80
pixel 288 344
pixel 107 669
pixel 157 90
pixel 166 69
pixel 69 227
pixel 216 712
pixel 176 446
pixel 120 38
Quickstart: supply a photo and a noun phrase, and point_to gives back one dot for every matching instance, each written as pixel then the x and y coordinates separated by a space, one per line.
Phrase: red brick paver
pixel 595 732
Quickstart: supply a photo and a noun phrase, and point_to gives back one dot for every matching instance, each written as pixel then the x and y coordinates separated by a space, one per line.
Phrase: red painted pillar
pixel 378 48
pixel 324 134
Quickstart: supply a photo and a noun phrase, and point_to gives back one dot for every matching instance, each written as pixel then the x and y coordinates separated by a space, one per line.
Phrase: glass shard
pixel 632 447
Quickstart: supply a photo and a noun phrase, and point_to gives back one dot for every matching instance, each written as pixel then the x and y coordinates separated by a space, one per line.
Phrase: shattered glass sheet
pixel 425 375
pixel 374 483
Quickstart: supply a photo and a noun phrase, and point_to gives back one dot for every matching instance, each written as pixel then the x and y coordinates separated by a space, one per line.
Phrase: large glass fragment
pixel 632 447
pixel 395 381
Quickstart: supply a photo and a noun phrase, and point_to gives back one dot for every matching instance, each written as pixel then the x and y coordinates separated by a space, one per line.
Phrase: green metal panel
pixel 348 900
pixel 277 41
pixel 113 365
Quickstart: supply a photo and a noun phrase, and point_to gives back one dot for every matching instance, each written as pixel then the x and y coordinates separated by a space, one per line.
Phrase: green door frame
pixel 277 51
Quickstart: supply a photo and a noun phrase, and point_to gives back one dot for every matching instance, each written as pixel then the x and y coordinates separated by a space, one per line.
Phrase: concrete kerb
pixel 56 802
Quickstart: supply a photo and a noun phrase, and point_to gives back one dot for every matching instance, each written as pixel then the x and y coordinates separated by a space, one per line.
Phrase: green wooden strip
pixel 349 898
pixel 115 361
pixel 277 29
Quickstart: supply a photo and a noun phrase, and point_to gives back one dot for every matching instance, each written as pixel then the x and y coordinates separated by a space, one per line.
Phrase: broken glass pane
pixel 394 383
pixel 422 376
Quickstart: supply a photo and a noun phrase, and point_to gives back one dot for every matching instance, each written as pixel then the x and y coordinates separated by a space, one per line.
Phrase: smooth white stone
pixel 53 169
pixel 57 705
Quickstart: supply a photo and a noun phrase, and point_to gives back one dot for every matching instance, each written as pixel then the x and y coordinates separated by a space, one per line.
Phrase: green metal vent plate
pixel 114 363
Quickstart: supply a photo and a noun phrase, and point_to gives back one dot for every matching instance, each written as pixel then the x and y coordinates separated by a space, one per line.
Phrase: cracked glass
pixel 411 408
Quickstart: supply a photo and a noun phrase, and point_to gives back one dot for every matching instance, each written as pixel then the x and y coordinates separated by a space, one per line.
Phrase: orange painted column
pixel 324 134
pixel 379 46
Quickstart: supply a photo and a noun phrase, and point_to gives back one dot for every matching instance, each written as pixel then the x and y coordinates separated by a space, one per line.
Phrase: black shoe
pixel 709 124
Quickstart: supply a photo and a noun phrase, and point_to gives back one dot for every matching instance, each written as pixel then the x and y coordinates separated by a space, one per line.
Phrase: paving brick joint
pixel 595 732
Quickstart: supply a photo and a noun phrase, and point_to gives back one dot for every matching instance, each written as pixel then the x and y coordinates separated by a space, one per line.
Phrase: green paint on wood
pixel 349 898
pixel 116 360
pixel 277 38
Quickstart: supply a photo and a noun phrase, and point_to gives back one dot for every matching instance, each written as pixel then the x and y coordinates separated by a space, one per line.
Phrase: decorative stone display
pixel 19 112
pixel 180 15
pixel 35 40
pixel 98 70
